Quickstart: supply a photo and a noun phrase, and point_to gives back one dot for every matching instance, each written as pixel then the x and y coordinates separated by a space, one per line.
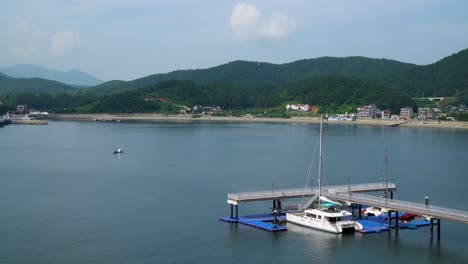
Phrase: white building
pixel 425 113
pixel 386 114
pixel 368 111
pixel 298 107
pixel 406 112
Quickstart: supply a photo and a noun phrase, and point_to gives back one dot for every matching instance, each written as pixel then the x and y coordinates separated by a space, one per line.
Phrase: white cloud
pixel 24 40
pixel 247 24
pixel 277 27
pixel 244 20
pixel 63 42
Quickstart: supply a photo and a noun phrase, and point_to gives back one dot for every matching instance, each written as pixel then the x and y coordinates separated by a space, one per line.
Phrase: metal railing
pixel 299 192
pixel 403 206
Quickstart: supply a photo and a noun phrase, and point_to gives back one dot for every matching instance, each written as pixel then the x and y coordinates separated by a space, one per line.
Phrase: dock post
pixel 352 210
pixel 432 228
pixel 359 213
pixel 274 205
pixel 232 207
pixel 391 195
pixel 237 211
pixel 389 219
pixel 396 219
pixel 279 204
pixel 274 217
pixel 438 229
pixel 396 223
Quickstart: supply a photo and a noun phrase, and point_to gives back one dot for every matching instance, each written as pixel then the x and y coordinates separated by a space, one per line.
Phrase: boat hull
pixel 338 228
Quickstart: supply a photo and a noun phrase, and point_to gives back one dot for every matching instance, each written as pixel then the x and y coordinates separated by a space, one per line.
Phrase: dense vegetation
pixel 57 103
pixel 335 84
pixel 247 73
pixel 31 85
pixel 336 91
pixel 324 91
pixel 447 77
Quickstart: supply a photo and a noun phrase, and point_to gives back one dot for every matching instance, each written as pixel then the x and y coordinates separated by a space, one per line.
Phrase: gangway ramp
pixel 435 212
pixel 279 194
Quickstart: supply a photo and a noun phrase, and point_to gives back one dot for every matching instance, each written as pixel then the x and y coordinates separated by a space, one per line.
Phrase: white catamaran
pixel 325 217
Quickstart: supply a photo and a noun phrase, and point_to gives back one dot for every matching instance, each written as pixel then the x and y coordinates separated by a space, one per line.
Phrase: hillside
pixel 324 91
pixel 72 77
pixel 260 73
pixel 447 77
pixel 14 86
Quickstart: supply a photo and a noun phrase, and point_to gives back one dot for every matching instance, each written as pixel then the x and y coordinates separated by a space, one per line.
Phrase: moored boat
pixel 324 217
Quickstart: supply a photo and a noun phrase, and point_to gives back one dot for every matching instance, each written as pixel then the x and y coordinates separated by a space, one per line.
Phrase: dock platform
pixel 263 221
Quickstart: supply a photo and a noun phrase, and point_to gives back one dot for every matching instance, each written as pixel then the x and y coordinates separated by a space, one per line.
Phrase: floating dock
pixel 353 195
pixel 29 122
pixel 263 221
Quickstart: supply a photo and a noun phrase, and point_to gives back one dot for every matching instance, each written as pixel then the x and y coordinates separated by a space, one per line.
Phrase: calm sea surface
pixel 64 198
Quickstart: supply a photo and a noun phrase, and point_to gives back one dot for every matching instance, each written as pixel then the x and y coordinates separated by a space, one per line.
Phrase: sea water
pixel 65 198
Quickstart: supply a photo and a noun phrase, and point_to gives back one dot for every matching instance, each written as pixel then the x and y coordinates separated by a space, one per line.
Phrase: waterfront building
pixel 406 112
pixel 22 109
pixel 368 111
pixel 386 114
pixel 425 113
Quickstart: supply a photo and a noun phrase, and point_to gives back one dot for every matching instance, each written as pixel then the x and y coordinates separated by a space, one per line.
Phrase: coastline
pixel 232 119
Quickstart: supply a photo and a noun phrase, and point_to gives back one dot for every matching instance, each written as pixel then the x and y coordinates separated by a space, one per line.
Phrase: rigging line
pixel 310 169
pixel 326 170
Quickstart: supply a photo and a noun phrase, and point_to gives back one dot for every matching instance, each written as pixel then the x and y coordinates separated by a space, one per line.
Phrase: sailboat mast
pixel 320 160
pixel 386 175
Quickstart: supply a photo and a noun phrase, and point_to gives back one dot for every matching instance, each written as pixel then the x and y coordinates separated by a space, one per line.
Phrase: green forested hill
pixel 260 73
pixel 336 91
pixel 324 91
pixel 447 77
pixel 31 85
pixel 110 87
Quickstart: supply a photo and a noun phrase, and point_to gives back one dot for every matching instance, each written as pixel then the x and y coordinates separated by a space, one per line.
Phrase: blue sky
pixel 128 39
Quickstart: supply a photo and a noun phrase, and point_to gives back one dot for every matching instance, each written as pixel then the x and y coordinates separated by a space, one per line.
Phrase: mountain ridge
pixel 70 77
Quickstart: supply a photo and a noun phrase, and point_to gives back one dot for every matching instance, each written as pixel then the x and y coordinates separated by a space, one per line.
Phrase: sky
pixel 129 39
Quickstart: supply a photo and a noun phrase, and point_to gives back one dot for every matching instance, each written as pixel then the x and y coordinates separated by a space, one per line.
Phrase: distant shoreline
pixel 309 120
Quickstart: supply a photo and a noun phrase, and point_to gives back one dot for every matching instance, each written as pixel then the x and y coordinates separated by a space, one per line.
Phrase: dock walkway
pixel 237 198
pixel 435 212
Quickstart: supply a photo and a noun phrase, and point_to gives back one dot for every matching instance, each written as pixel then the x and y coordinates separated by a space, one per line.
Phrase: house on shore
pixel 406 113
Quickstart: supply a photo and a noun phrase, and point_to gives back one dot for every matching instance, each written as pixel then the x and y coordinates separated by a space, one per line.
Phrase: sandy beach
pixel 189 118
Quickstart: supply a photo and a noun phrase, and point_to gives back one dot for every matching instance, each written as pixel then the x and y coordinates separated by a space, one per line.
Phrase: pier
pixel 431 212
pixel 350 194
pixel 242 197
pixel 277 196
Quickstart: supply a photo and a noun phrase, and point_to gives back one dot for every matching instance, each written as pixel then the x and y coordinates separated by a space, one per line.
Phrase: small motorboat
pixel 117 151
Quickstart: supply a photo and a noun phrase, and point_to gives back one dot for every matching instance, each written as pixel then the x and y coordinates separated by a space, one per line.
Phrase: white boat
pixel 117 151
pixel 375 211
pixel 325 217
